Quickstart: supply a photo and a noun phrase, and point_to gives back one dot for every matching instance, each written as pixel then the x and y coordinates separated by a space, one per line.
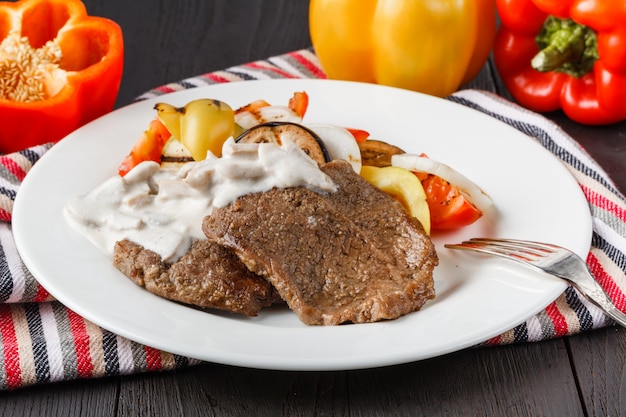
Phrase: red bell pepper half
pixel 86 79
pixel 565 54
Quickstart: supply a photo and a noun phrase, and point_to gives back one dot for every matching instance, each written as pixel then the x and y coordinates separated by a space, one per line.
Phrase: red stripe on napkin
pixel 153 359
pixel 165 89
pixel 558 320
pixel 81 344
pixel 5 216
pixel 494 341
pixel 602 202
pixel 259 65
pixel 216 77
pixel 607 282
pixel 310 66
pixel 42 295
pixel 13 167
pixel 10 348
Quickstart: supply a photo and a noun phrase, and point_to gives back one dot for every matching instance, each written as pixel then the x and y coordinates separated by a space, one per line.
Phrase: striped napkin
pixel 41 341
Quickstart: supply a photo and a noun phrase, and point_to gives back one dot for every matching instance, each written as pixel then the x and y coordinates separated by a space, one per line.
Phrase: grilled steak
pixel 392 229
pixel 350 256
pixel 208 276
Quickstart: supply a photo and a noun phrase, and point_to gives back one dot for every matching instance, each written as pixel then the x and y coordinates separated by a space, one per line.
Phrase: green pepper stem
pixel 566 46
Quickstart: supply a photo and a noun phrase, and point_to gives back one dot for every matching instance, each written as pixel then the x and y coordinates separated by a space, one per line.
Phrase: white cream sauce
pixel 162 208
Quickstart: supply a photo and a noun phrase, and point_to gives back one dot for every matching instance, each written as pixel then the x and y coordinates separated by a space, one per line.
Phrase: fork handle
pixel 597 296
pixel 617 315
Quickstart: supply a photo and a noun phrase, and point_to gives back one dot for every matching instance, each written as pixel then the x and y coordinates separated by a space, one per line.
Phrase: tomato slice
pixel 449 209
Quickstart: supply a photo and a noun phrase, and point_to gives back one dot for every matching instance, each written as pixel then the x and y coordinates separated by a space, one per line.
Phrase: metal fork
pixel 551 259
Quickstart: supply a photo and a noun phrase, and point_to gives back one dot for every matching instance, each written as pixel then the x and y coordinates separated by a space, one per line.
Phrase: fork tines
pixel 520 249
pixel 551 259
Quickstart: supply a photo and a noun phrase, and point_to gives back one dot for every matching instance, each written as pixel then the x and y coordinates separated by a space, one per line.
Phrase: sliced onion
pixel 466 187
pixel 340 143
pixel 247 119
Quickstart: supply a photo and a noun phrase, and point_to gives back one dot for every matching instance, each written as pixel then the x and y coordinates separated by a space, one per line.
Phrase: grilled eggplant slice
pixel 276 132
pixel 378 153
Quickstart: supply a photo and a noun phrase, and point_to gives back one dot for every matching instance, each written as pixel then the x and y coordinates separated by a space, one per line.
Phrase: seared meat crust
pixel 387 223
pixel 351 256
pixel 207 276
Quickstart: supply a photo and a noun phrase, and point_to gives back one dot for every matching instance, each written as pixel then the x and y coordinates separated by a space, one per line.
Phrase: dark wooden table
pixel 583 375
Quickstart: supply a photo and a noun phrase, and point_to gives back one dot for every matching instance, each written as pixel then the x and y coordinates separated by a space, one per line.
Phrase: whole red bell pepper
pixel 567 54
pixel 77 77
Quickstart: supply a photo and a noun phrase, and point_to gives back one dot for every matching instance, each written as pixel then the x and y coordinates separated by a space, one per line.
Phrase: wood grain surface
pixel 583 375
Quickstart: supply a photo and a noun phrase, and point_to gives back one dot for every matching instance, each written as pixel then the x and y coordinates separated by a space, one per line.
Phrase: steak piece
pixel 207 276
pixel 392 228
pixel 350 256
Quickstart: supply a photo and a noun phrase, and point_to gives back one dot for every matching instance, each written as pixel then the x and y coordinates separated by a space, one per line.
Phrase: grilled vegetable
pixel 147 148
pixel 402 185
pixel 170 116
pixel 202 125
pixel 277 132
pixel 467 187
pixel 205 126
pixel 174 154
pixel 454 200
pixel 340 143
pixel 377 153
pixel 260 111
pixel 299 103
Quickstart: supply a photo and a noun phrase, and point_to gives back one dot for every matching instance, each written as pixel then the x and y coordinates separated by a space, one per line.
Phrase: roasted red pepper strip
pixel 565 54
pixel 148 148
pixel 360 135
pixel 90 70
pixel 299 103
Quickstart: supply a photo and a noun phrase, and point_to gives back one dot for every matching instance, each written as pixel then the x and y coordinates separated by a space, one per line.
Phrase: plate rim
pixel 293 364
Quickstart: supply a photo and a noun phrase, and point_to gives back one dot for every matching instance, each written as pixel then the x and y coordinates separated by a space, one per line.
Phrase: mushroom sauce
pixel 162 208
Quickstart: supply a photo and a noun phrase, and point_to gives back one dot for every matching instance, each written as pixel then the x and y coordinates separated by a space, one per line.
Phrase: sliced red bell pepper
pixel 360 135
pixel 85 81
pixel 299 102
pixel 565 54
pixel 148 148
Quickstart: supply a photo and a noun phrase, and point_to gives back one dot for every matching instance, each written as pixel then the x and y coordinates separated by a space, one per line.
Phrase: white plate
pixel 477 298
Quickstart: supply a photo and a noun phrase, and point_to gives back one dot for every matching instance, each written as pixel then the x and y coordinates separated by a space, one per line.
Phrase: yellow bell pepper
pixel 402 185
pixel 430 46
